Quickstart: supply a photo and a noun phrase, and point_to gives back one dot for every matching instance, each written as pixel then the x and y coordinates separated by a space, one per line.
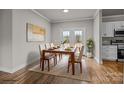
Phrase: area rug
pixel 61 70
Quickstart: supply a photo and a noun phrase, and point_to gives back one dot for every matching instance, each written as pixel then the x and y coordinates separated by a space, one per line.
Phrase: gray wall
pixel 58 28
pixel 24 52
pixel 16 52
pixel 6 40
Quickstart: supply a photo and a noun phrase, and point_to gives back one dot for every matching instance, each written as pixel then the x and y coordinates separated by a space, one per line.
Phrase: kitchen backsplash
pixel 107 40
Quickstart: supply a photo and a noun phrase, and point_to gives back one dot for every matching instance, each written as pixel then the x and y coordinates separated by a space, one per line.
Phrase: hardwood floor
pixel 108 72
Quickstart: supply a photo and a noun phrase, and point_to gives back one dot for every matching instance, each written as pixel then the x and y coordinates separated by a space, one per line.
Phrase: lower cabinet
pixel 109 52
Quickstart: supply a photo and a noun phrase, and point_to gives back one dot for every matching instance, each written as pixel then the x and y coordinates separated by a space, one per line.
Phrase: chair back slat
pixel 41 47
pixel 66 45
pixel 81 54
pixel 78 44
pixel 47 45
pixel 51 45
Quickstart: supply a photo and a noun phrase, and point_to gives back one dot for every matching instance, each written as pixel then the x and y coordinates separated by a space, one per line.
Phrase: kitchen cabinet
pixel 109 52
pixel 119 24
pixel 108 29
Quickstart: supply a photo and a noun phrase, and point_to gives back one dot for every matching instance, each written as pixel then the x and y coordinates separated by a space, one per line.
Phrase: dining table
pixel 70 51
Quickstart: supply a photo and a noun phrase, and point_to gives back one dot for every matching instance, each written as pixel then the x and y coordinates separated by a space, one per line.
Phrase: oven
pixel 121 53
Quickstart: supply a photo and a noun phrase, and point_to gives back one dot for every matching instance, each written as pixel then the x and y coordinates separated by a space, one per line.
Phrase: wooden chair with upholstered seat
pixel 78 45
pixel 53 46
pixel 47 46
pixel 78 59
pixel 66 45
pixel 47 58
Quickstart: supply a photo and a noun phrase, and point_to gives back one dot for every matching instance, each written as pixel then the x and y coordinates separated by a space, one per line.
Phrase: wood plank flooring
pixel 107 73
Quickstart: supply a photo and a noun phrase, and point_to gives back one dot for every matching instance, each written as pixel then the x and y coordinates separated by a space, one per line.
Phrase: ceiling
pixel 57 15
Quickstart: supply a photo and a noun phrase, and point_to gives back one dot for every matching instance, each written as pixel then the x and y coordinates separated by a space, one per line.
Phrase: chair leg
pixel 45 61
pixel 80 67
pixel 48 65
pixel 40 62
pixel 54 61
pixel 42 65
pixel 56 56
pixel 60 56
pixel 68 67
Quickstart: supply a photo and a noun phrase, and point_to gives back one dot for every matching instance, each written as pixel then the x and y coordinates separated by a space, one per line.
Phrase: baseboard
pixel 4 69
pixel 23 65
pixel 19 67
pixel 97 60
pixel 16 68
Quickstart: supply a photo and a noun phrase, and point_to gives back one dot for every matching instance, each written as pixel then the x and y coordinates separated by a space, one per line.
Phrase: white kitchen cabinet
pixel 119 24
pixel 107 29
pixel 109 52
pixel 103 33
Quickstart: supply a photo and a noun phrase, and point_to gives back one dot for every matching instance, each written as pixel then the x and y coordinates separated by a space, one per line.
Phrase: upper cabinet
pixel 108 28
pixel 119 24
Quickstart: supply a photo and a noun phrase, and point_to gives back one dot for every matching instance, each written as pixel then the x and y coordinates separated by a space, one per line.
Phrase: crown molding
pixel 72 20
pixel 39 14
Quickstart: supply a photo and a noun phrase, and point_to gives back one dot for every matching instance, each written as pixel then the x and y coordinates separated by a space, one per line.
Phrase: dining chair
pixel 66 45
pixel 47 46
pixel 60 55
pixel 78 59
pixel 78 45
pixel 52 45
pixel 47 58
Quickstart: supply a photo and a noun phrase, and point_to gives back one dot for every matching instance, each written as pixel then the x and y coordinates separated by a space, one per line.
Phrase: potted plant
pixel 90 45
pixel 66 40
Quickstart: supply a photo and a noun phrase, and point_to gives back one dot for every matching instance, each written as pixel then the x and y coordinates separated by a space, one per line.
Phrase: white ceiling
pixel 56 15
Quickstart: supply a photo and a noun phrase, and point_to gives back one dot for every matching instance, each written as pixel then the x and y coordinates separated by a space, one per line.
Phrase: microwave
pixel 119 32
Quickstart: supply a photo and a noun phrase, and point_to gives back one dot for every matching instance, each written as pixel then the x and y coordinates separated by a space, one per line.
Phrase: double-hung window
pixel 66 35
pixel 78 36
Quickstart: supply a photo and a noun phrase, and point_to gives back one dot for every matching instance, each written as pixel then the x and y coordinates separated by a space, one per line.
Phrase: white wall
pixel 16 52
pixel 58 28
pixel 6 40
pixel 97 37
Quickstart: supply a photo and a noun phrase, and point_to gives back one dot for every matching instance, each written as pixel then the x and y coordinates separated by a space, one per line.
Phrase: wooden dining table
pixel 70 52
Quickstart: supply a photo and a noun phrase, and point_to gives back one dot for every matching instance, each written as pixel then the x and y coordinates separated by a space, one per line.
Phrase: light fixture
pixel 65 10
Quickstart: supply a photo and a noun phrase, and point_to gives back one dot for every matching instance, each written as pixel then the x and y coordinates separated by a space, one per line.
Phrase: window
pixel 66 35
pixel 78 36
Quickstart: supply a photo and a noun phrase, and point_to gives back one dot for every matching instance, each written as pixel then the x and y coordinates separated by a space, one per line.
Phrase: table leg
pixel 73 69
pixel 43 57
pixel 73 65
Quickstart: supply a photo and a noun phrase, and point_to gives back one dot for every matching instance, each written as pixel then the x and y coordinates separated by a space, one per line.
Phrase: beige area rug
pixel 61 70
